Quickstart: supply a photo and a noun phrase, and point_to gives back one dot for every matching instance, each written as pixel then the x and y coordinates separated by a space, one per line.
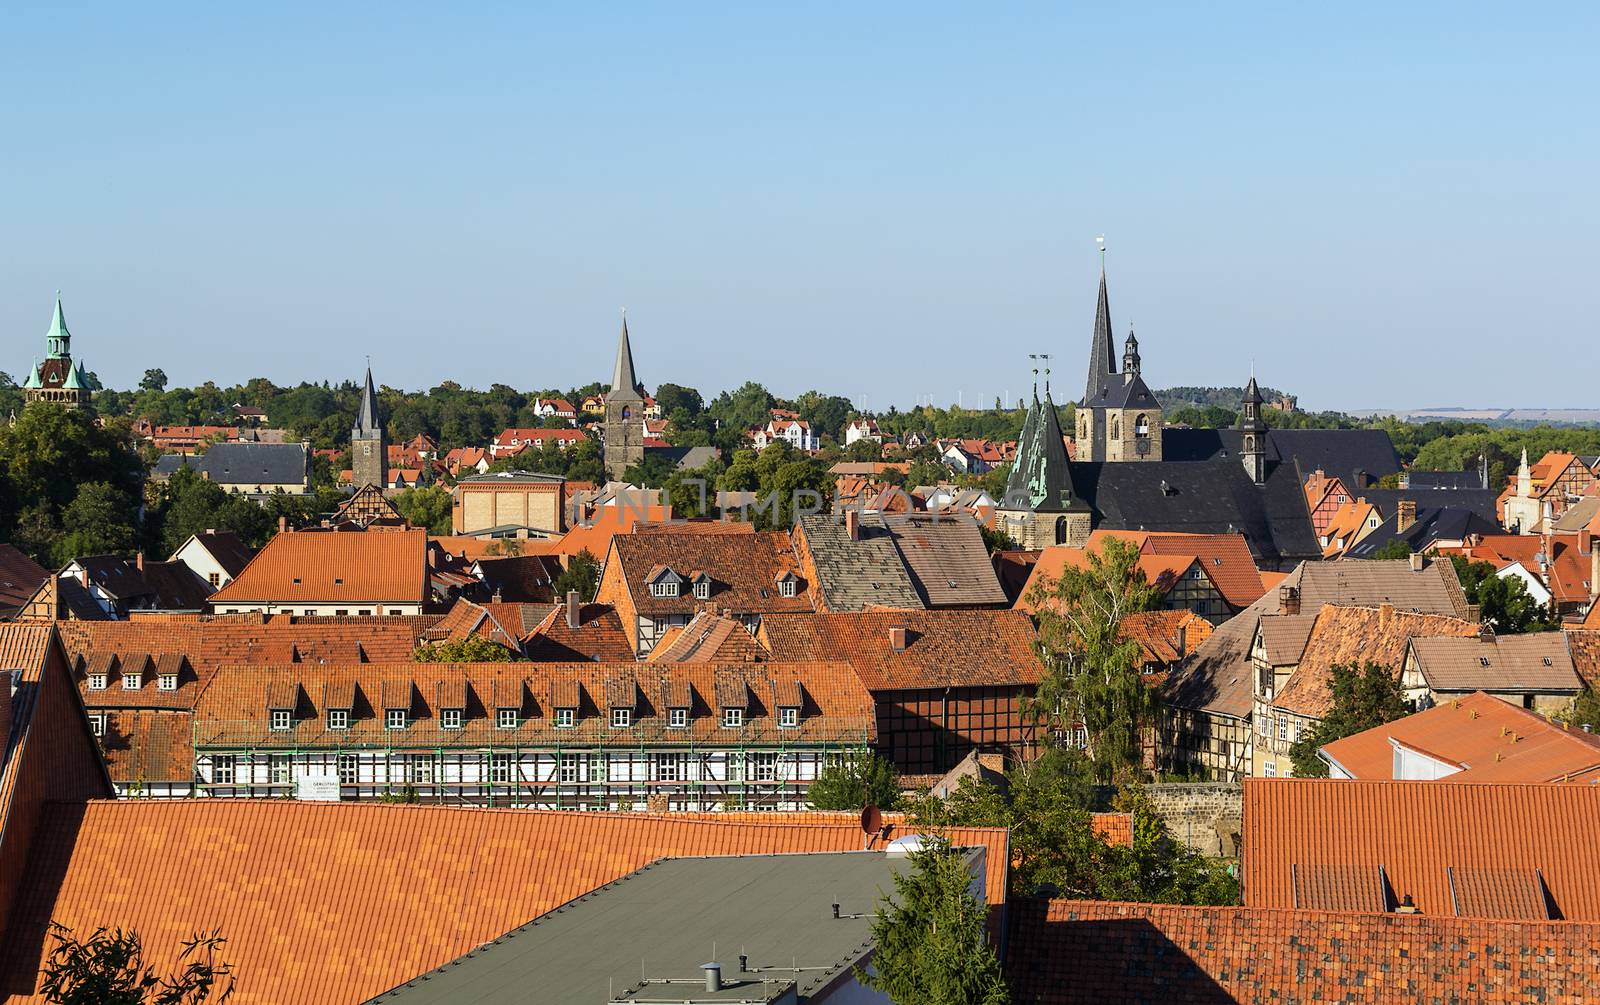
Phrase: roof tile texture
pixel 744 569
pixel 337 903
pixel 323 567
pixel 943 648
pixel 1355 636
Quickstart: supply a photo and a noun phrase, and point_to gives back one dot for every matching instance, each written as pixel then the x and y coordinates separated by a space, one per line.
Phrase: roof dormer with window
pixel 397 700
pixel 788 583
pixel 702 584
pixel 664 582
pixel 510 701
pixel 282 700
pixel 566 701
pixel 622 700
pixel 677 697
pixel 733 700
pixel 788 697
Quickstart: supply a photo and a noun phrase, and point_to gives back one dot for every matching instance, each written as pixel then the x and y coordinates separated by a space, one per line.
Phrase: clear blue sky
pixel 1383 205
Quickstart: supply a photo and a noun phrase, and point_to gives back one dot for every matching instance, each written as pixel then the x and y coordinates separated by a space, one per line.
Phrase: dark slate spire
pixel 623 380
pixel 1041 478
pixel 367 423
pixel 1130 356
pixel 1102 358
pixel 1252 391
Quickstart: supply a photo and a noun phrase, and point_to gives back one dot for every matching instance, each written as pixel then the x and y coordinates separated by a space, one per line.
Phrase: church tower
pixel 1040 506
pixel 1118 419
pixel 58 379
pixel 624 429
pixel 369 450
pixel 1253 433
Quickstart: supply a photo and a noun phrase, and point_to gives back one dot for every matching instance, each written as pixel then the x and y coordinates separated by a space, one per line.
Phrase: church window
pixel 1061 530
pixel 627 413
pixel 366 450
pixel 1141 426
pixel 1116 428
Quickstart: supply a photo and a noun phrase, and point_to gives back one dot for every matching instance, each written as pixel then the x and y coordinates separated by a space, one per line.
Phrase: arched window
pixel 1061 530
pixel 1141 426
pixel 627 413
pixel 1116 427
pixel 1250 444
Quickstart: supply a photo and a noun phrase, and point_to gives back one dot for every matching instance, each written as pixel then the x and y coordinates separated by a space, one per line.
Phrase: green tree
pixel 427 507
pixel 108 968
pixel 472 649
pixel 98 521
pixel 1092 671
pixel 154 379
pixel 1584 710
pixel 930 939
pixel 853 781
pixel 672 397
pixel 50 451
pixel 1363 698
pixel 582 574
pixel 652 471
pixel 1504 603
pixel 1393 550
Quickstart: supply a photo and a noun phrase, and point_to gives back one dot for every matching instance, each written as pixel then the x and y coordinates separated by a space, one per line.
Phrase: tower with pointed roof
pixel 624 428
pixel 369 448
pixel 1253 433
pixel 59 378
pixel 1040 506
pixel 1118 418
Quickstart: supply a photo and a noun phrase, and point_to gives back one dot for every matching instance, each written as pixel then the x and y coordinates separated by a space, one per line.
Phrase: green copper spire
pixel 1041 478
pixel 58 339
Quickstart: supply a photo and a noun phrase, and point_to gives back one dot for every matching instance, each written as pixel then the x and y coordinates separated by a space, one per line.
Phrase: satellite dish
pixel 871 820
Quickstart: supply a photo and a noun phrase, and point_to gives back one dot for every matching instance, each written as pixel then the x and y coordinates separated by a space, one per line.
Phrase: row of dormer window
pixel 282 719
pixel 133 682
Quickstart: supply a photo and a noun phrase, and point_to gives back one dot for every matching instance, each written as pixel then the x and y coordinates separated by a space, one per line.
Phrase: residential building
pixel 1294 664
pixel 1540 492
pixel 1475 737
pixel 1421 530
pixel 514 440
pixel 910 561
pixel 377 573
pixel 623 433
pixel 1534 671
pixel 1209 701
pixel 795 432
pixel 1504 851
pixel 555 408
pixel 369 453
pixel 862 429
pixel 505 624
pixel 214 556
pixel 575 632
pixel 658 581
pixel 709 638
pixel 509 504
pixel 59 379
pixel 1325 495
pixel 594 404
pixel 183 439
pixel 460 461
pixel 944 682
pixel 368 507
pixel 20 579
pixel 1348 525
pixel 257 470
pixel 1559 570
pixel 697 737
pixel 119 587
pixel 1166 638
pixel 1085 952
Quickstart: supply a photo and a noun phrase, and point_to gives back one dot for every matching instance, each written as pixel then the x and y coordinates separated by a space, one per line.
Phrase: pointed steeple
pixel 367 423
pixel 58 339
pixel 623 379
pixel 1130 357
pixel 1102 358
pixel 1041 478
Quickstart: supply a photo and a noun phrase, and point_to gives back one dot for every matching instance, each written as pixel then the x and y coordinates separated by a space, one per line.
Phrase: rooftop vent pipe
pixel 713 976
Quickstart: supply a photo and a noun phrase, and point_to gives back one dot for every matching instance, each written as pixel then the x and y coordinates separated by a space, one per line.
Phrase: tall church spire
pixel 58 340
pixel 1102 358
pixel 367 422
pixel 623 379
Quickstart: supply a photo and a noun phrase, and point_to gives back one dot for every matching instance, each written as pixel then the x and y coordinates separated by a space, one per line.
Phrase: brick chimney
pixel 1182 646
pixel 283 524
pixel 138 561
pixel 1416 561
pixel 852 524
pixel 1385 615
pixel 1405 515
pixel 572 608
pixel 1288 600
pixel 897 639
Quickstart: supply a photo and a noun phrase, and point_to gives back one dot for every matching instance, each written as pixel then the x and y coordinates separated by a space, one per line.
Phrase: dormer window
pixel 789 717
pixel 664 582
pixel 678 718
pixel 507 718
pixel 450 718
pixel 282 719
pixel 788 584
pixel 566 718
pixel 395 718
pixel 97 682
pixel 664 589
pixel 621 718
pixel 702 589
pixel 338 718
pixel 167 682
pixel 132 681
pixel 732 718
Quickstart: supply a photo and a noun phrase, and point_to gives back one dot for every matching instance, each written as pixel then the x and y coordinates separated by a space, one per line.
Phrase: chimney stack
pixel 897 639
pixel 283 524
pixel 1288 600
pixel 1416 561
pixel 852 523
pixel 572 608
pixel 138 561
pixel 1182 646
pixel 1405 515
pixel 83 577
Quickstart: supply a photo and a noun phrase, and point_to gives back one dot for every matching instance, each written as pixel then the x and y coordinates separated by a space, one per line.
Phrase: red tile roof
pixel 975 648
pixel 1225 558
pixel 20 577
pixel 1585 647
pixel 744 568
pixel 1488 739
pixel 597 636
pixel 708 638
pixel 1423 835
pixel 1064 952
pixel 318 567
pixel 1157 633
pixel 143 746
pixel 1355 636
pixel 322 903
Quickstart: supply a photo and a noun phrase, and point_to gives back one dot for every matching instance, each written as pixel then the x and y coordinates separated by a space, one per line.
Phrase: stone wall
pixel 1193 812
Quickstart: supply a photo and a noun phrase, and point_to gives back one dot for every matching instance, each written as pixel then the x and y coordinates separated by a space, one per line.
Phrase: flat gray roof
pixel 665 920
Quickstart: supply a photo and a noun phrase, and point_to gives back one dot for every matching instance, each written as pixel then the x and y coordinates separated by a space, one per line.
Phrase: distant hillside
pixel 1209 397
